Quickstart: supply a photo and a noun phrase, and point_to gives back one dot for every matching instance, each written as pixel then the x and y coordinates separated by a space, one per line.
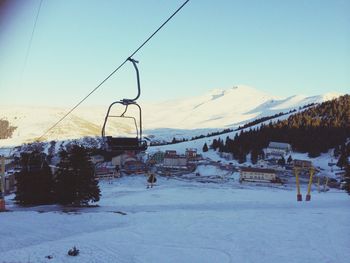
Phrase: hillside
pixel 314 131
pixel 188 117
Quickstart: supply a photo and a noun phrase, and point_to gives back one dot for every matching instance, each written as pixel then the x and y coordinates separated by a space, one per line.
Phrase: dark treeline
pixel 314 131
pixel 267 118
pixel 228 130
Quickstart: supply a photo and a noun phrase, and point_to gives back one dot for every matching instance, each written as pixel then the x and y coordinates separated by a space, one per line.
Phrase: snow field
pixel 179 221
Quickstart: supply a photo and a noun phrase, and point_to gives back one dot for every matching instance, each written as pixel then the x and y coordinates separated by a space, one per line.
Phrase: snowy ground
pixel 182 221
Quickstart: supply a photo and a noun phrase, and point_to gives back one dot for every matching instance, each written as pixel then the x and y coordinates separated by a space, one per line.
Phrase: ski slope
pixel 183 221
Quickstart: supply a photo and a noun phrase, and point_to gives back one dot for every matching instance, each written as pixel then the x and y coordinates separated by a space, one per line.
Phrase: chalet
pixel 134 167
pixel 191 153
pixel 277 150
pixel 170 153
pixel 157 157
pixel 302 164
pixel 120 160
pixel 257 175
pixel 105 170
pixel 176 162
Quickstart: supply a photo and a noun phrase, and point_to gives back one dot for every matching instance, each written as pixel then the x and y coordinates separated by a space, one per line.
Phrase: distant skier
pixel 151 180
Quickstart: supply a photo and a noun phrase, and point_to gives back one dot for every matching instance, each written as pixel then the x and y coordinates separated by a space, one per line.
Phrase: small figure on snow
pixel 73 252
pixel 151 180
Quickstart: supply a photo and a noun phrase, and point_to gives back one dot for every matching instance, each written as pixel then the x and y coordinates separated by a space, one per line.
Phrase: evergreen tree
pixel 336 151
pixel 282 161
pixel 290 159
pixel 215 145
pixel 242 157
pixel 75 179
pixel 254 156
pixel 34 181
pixel 347 179
pixel 205 147
pixel 343 161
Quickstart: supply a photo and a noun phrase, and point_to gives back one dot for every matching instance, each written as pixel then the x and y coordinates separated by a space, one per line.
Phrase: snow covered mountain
pixel 217 109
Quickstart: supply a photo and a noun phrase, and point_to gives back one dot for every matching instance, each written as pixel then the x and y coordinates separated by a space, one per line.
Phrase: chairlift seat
pixel 125 143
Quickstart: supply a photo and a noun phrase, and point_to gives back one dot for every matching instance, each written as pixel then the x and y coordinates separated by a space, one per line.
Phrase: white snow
pixel 179 221
pixel 215 110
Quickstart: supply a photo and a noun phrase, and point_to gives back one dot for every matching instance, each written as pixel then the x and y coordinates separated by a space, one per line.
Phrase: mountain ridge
pixel 216 109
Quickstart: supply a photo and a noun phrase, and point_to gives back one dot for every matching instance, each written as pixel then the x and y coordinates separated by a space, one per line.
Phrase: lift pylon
pixel 2 184
pixel 299 196
pixel 308 195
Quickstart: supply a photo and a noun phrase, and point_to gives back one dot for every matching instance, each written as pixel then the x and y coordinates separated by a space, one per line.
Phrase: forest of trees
pixel 6 130
pixel 314 131
pixel 228 130
pixel 73 183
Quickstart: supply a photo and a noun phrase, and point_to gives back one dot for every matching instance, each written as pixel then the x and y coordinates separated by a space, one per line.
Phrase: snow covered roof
pixel 257 170
pixel 279 145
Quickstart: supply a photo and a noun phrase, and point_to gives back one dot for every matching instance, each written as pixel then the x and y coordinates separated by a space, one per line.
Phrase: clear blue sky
pixel 280 47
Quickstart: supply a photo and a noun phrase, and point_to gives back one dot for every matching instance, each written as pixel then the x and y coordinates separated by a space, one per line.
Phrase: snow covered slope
pixel 179 221
pixel 214 110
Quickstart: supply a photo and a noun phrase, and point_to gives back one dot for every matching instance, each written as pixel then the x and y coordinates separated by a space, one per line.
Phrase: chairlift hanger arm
pixel 129 101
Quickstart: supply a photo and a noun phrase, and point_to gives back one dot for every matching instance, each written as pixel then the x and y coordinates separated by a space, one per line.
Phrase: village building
pixel 134 167
pixel 7 175
pixel 191 154
pixel 9 182
pixel 175 162
pixel 302 164
pixel 127 156
pixel 170 153
pixel 97 159
pixel 277 150
pixel 157 157
pixel 226 156
pixel 258 175
pixel 106 170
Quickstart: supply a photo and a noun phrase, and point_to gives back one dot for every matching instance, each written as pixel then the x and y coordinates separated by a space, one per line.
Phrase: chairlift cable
pixel 113 72
pixel 30 42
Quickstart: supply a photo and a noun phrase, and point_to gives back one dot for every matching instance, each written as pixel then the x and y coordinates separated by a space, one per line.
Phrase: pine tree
pixel 282 161
pixel 347 179
pixel 205 147
pixel 214 145
pixel 242 157
pixel 75 179
pixel 254 156
pixel 34 181
pixel 290 159
pixel 343 161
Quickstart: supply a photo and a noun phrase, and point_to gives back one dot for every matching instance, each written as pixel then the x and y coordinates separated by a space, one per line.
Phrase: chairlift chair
pixel 118 145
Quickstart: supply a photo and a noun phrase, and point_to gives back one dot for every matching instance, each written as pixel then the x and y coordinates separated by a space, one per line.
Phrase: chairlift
pixel 118 145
